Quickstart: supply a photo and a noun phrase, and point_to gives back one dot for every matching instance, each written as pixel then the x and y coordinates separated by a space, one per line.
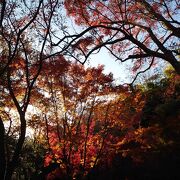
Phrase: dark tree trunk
pixel 173 61
pixel 176 66
pixel 14 162
pixel 2 151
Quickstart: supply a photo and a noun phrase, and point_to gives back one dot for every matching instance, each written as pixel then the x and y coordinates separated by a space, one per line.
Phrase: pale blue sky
pixel 110 65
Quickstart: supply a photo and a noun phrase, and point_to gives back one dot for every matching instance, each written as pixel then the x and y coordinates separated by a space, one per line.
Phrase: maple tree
pixel 85 122
pixel 24 33
pixel 61 85
pixel 27 31
pixel 139 30
pixel 82 121
pixel 119 127
pixel 69 126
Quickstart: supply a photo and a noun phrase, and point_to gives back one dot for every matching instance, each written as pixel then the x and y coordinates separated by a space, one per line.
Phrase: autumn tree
pixel 27 32
pixel 25 37
pixel 68 123
pixel 140 31
pixel 34 42
pixel 129 127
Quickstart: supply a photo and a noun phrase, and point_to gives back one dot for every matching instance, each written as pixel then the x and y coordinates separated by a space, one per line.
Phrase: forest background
pixel 81 123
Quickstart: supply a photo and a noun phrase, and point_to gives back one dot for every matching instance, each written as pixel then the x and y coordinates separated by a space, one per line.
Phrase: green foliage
pixel 162 100
pixel 169 72
pixel 169 108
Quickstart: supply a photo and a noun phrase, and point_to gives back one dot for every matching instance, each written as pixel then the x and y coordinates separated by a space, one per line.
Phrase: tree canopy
pixel 138 30
pixel 60 120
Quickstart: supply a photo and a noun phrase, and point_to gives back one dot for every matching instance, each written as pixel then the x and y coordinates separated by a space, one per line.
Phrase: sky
pixel 118 69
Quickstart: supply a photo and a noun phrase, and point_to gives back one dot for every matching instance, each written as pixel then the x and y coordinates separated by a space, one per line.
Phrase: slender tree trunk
pixel 14 162
pixel 87 133
pixel 2 151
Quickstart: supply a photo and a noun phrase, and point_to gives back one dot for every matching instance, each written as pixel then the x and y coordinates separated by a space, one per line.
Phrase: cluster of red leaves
pixel 113 128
